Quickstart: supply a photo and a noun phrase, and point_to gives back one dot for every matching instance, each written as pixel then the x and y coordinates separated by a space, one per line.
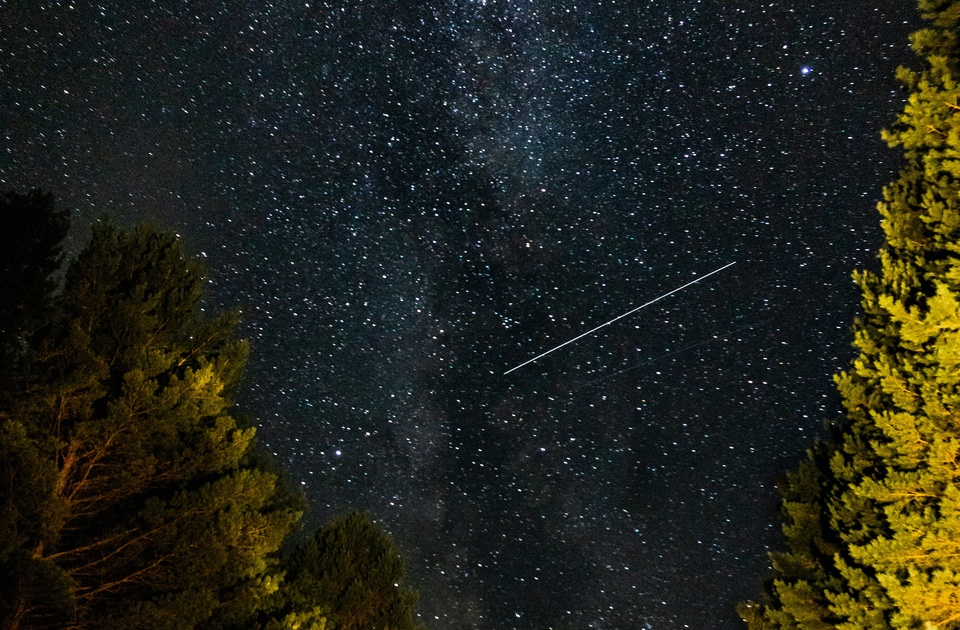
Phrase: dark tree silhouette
pixel 352 570
pixel 31 232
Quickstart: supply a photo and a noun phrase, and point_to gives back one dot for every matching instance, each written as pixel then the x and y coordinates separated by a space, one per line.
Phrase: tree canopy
pixel 31 232
pixel 355 571
pixel 144 499
pixel 131 495
pixel 872 517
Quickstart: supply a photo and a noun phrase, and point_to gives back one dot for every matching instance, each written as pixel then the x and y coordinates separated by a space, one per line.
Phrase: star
pixel 381 192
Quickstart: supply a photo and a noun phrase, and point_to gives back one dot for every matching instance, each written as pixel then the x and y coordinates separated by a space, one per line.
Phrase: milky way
pixel 405 200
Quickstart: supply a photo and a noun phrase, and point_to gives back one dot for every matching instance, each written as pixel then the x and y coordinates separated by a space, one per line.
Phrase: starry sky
pixel 406 200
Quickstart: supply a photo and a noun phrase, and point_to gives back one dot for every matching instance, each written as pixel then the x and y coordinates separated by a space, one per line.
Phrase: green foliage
pixel 873 517
pixel 352 570
pixel 131 496
pixel 129 492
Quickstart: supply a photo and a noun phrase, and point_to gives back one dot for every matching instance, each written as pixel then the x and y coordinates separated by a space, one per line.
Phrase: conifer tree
pixel 129 494
pixel 873 515
pixel 31 232
pixel 352 571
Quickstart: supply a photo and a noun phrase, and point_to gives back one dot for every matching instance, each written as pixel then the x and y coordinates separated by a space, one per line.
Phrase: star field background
pixel 408 199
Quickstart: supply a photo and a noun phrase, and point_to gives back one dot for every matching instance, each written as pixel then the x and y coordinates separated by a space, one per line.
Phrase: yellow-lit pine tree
pixel 872 518
pixel 130 495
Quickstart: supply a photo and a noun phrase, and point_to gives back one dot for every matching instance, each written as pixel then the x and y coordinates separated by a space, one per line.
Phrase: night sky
pixel 406 200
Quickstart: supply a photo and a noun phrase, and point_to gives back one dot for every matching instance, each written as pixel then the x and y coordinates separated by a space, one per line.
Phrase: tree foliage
pixel 31 231
pixel 352 570
pixel 873 516
pixel 131 496
pixel 128 491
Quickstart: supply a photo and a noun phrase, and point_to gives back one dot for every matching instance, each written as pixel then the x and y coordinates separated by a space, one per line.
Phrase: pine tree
pixel 873 517
pixel 130 495
pixel 31 232
pixel 351 570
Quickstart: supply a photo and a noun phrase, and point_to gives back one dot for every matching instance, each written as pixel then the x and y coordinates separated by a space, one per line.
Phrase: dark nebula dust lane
pixel 406 201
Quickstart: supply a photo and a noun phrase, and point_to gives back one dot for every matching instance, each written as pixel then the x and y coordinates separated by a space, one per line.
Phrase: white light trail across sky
pixel 630 312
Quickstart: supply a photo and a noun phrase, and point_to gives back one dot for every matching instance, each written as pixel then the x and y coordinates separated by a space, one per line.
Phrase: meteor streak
pixel 630 312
